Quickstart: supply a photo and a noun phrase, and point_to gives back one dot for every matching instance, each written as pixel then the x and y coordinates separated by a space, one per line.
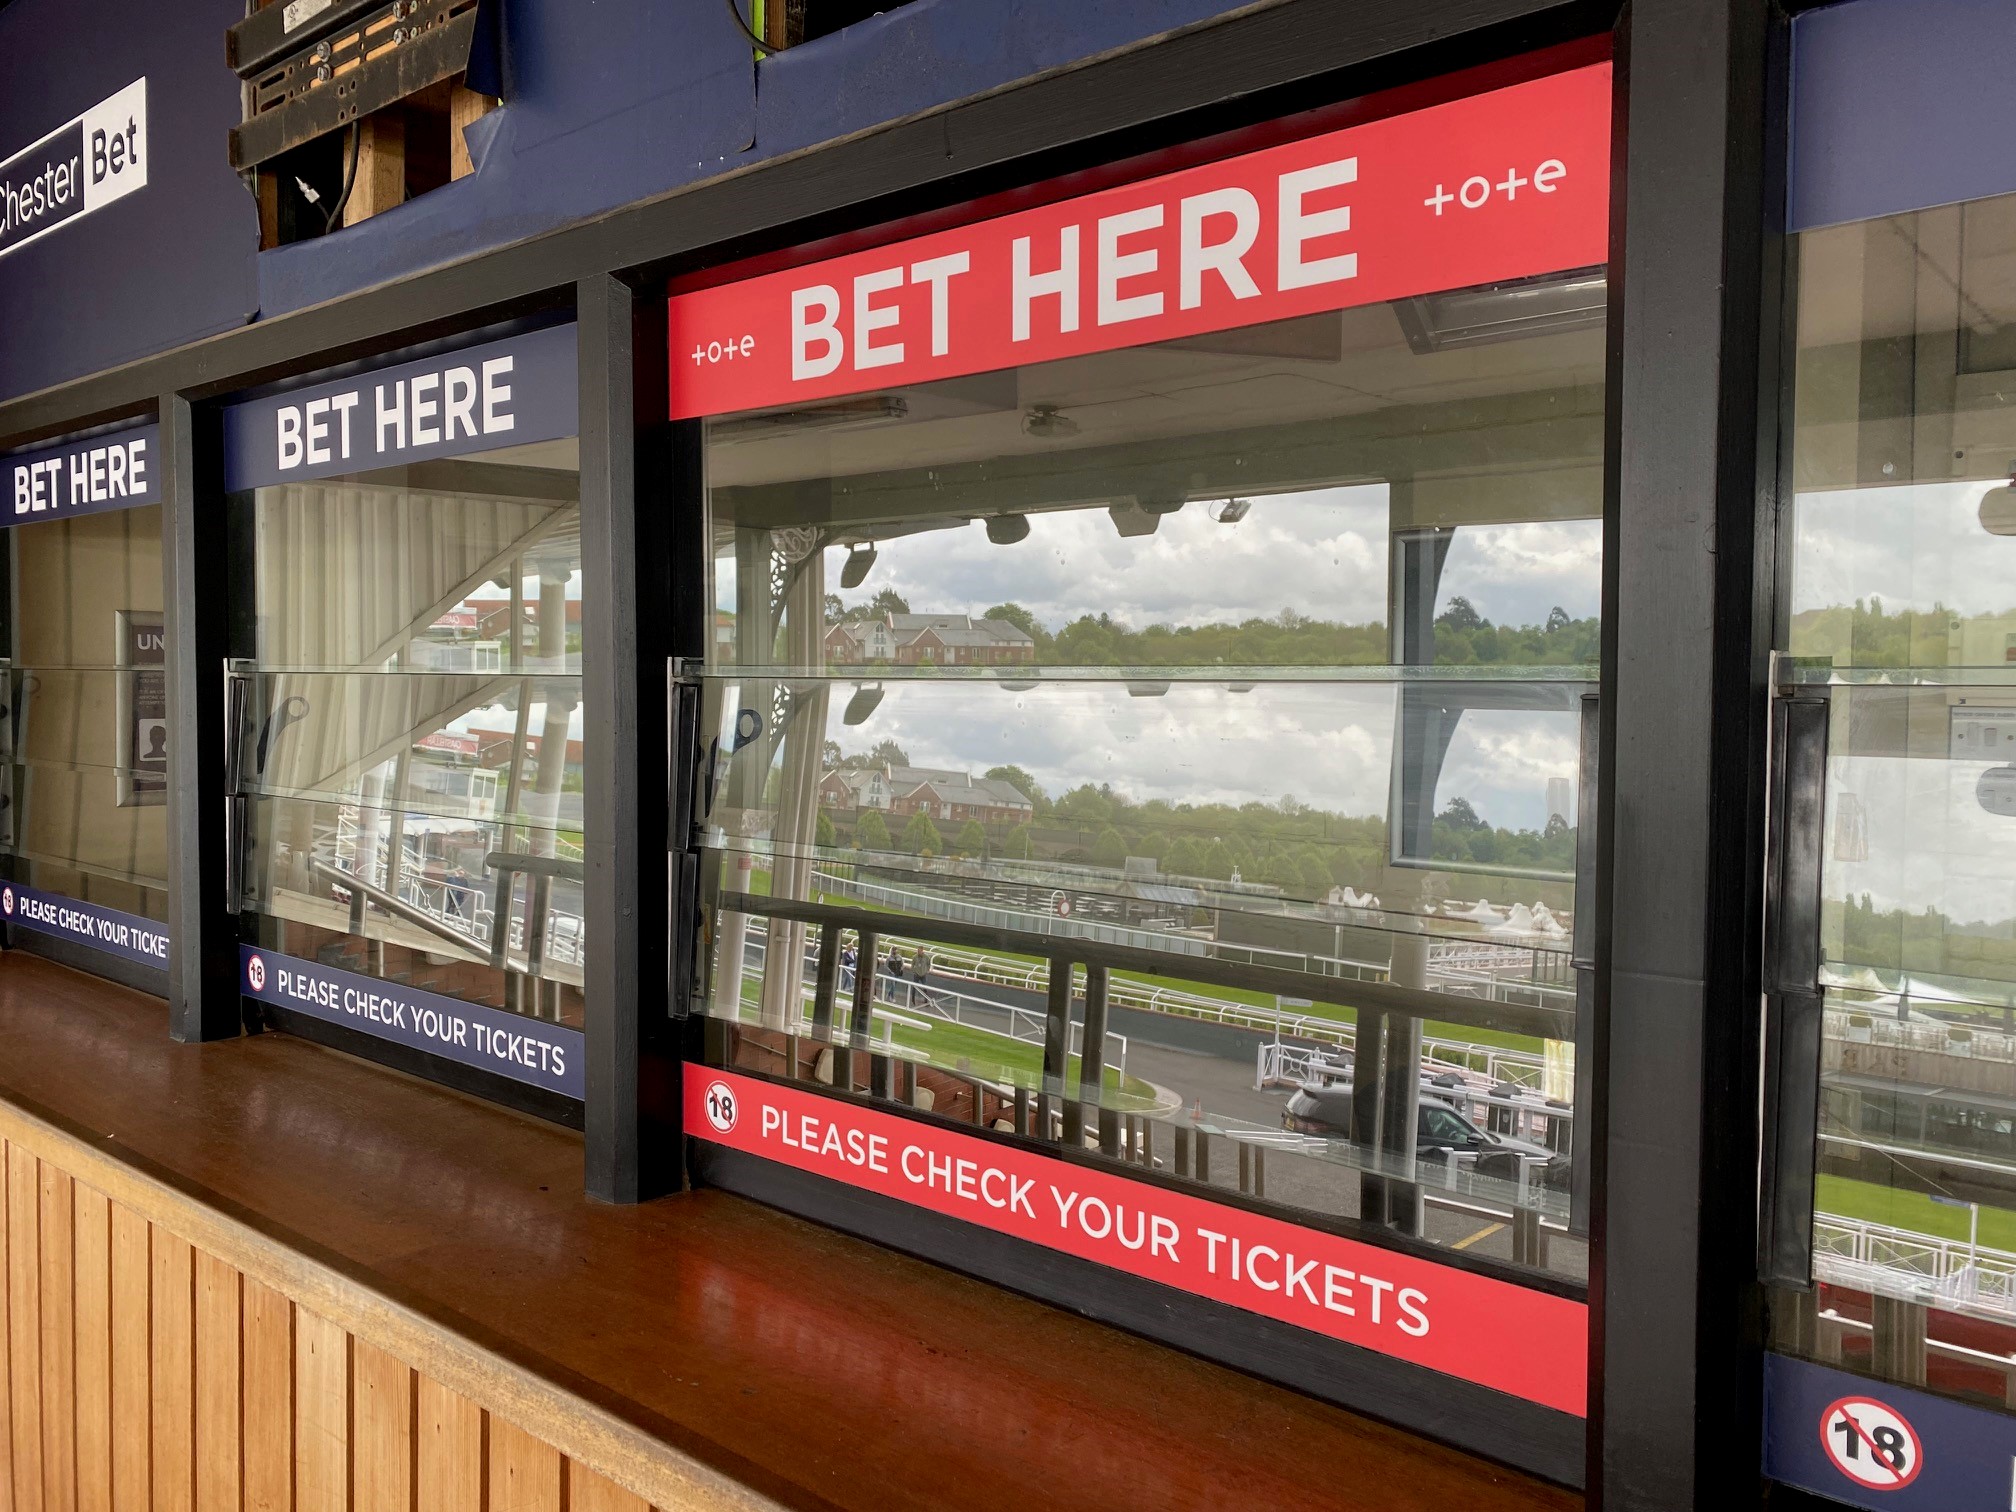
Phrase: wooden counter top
pixel 705 1350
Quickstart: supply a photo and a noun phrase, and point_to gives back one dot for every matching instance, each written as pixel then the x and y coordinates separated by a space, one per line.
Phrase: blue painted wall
pixel 615 101
pixel 167 263
pixel 607 102
pixel 1900 105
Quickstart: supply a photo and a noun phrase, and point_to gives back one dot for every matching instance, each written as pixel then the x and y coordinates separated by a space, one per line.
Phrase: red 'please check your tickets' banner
pixel 1497 186
pixel 1527 1343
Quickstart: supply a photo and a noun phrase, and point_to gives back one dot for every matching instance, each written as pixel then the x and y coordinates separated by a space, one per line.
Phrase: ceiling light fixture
pixel 1505 312
pixel 875 409
pixel 860 557
pixel 862 704
pixel 1048 423
pixel 1998 509
pixel 1131 520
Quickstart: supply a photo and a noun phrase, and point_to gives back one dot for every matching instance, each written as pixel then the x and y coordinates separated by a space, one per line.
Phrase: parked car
pixel 1439 1131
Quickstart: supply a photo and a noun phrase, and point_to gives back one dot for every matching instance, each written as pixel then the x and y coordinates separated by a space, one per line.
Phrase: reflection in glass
pixel 1191 702
pixel 1904 598
pixel 86 725
pixel 410 739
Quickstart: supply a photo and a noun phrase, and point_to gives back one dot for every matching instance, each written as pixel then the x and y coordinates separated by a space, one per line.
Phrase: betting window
pixel 85 713
pixel 1152 643
pixel 1898 638
pixel 407 785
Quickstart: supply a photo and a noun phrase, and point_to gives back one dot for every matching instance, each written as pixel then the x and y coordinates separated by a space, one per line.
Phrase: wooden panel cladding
pixel 140 1373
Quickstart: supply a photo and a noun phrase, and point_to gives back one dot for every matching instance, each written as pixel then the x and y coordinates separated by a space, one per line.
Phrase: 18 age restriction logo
pixel 1871 1443
pixel 721 1107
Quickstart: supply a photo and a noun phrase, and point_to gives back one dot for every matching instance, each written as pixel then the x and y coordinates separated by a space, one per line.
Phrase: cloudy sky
pixel 1329 746
pixel 1912 546
pixel 1321 553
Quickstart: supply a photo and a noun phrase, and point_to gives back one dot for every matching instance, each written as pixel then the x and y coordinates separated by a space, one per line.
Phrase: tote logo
pixel 81 166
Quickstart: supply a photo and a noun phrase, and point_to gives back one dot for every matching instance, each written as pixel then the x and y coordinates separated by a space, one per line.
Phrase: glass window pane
pixel 1257 658
pixel 87 716
pixel 412 742
pixel 1903 606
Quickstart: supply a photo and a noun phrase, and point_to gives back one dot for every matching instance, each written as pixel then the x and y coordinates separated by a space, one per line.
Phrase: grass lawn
pixel 1915 1211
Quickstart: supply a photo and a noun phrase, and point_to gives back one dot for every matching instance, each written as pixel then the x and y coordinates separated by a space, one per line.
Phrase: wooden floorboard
pixel 817 1370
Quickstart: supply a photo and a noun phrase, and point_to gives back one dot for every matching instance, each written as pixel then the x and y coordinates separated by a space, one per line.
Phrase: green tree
pixel 1460 615
pixel 1018 845
pixel 870 833
pixel 884 752
pixel 1217 861
pixel 823 832
pixel 1021 619
pixel 921 837
pixel 1184 858
pixel 888 601
pixel 1086 805
pixel 1109 850
pixel 1459 815
pixel 972 839
pixel 1312 878
pixel 1022 782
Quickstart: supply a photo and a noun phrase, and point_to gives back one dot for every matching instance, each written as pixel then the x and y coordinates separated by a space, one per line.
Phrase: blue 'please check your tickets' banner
pixel 122 934
pixel 548 1056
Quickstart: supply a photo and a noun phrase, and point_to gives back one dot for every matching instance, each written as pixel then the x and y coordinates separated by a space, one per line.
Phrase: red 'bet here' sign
pixel 1498 186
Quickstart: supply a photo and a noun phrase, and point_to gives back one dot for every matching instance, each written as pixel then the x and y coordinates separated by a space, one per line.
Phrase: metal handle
pixel 683 772
pixel 1799 838
pixel 689 783
pixel 1793 1010
pixel 235 838
pixel 1582 953
pixel 1582 944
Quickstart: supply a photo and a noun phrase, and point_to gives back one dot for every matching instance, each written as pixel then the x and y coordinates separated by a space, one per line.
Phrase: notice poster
pixel 143 710
pixel 1511 1338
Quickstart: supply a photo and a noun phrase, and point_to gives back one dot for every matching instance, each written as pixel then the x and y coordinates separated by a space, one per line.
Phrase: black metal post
pixel 1689 564
pixel 1056 1051
pixel 202 933
pixel 628 631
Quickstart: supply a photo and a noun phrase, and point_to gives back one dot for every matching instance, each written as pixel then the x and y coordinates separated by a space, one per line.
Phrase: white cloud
pixel 1912 546
pixel 1321 553
pixel 1517 574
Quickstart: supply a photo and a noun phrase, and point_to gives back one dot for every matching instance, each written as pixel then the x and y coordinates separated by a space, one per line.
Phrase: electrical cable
pixel 743 26
pixel 349 179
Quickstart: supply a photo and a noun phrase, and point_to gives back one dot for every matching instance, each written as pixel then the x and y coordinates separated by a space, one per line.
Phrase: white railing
pixel 1880 1026
pixel 1522 1068
pixel 1945 1273
pixel 1523 1114
pixel 465 907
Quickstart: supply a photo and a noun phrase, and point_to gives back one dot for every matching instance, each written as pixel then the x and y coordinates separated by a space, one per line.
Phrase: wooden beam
pixel 381 167
pixel 465 108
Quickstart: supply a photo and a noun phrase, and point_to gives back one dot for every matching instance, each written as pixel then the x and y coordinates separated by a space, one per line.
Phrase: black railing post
pixel 1056 1051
